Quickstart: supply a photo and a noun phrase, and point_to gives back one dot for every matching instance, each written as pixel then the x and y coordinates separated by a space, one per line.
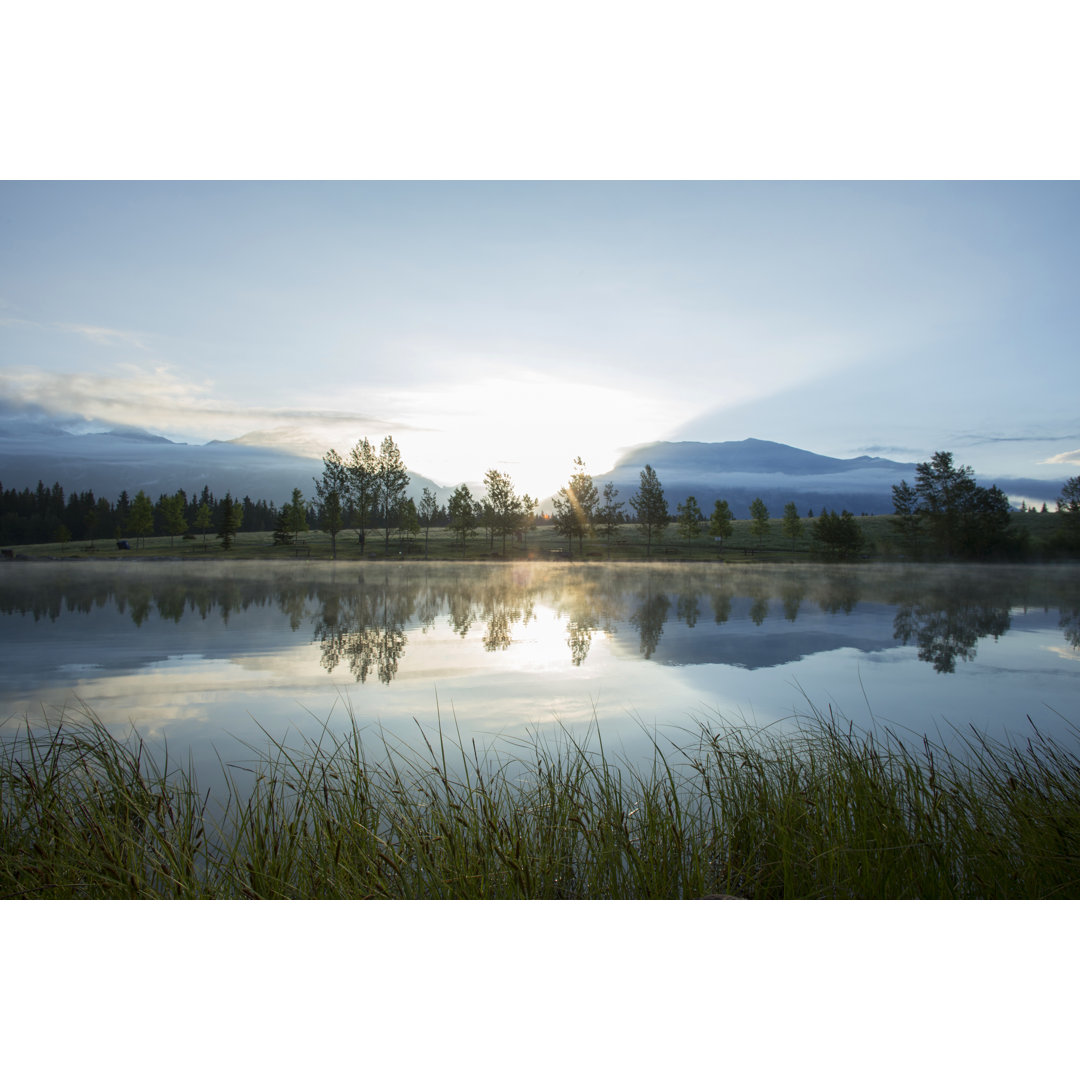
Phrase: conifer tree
pixel 651 507
pixel 230 520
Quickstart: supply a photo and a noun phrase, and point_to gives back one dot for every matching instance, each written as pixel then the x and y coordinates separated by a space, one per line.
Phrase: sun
pixel 532 429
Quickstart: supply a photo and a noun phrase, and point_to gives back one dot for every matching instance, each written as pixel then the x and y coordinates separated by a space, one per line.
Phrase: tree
pixel 943 491
pixel 485 514
pixel 90 525
pixel 120 513
pixel 282 531
pixel 720 523
pixel 203 520
pixel 609 515
pixel 230 521
pixel 504 506
pixel 332 497
pixel 527 517
pixel 838 534
pixel 961 517
pixel 175 519
pixel 759 526
pixel 408 521
pixel 331 518
pixel 391 481
pixel 689 520
pixel 907 522
pixel 650 506
pixel 463 512
pixel 575 506
pixel 141 518
pixel 363 471
pixel 427 510
pixel 1069 503
pixel 792 527
pixel 296 515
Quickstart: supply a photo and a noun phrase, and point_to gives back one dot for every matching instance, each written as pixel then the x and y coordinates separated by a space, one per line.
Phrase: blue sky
pixel 518 325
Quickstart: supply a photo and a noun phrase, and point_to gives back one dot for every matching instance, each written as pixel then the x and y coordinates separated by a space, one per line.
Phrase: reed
pixel 826 812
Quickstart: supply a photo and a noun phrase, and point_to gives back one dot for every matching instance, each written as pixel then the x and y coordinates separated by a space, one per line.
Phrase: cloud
pixel 159 400
pixel 887 450
pixel 104 335
pixel 980 440
pixel 1069 457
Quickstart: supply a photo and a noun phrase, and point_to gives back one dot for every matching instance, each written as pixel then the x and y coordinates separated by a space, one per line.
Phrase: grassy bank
pixel 825 814
pixel 542 542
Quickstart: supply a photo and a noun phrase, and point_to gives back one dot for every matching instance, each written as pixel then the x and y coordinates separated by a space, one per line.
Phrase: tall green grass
pixel 826 812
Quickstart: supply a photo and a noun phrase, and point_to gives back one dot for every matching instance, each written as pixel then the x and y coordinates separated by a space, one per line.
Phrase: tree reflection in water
pixel 649 617
pixel 365 627
pixel 363 619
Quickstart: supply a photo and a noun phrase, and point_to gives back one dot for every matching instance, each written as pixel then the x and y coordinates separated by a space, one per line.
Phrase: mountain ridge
pixel 132 459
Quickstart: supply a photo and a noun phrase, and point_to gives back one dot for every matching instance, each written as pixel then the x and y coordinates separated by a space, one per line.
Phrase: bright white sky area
pixel 517 325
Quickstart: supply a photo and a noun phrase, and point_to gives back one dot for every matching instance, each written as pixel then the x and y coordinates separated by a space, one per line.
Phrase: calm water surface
pixel 213 660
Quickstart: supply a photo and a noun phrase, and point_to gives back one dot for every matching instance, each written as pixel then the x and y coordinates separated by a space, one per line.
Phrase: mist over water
pixel 213 661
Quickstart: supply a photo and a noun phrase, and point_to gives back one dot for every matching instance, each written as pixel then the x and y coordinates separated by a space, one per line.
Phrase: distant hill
pixel 778 474
pixel 131 460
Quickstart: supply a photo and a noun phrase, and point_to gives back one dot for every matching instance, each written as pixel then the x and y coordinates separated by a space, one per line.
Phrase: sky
pixel 518 325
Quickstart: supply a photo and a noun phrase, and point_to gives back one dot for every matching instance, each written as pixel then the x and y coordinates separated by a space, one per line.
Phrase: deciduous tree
pixel 332 497
pixel 175 519
pixel 140 520
pixel 464 512
pixel 792 527
pixel 963 519
pixel 689 520
pixel 427 510
pixel 503 504
pixel 1069 503
pixel 720 522
pixel 609 515
pixel 391 482
pixel 907 522
pixel 203 520
pixel 759 524
pixel 296 515
pixel 838 534
pixel 575 506
pixel 363 469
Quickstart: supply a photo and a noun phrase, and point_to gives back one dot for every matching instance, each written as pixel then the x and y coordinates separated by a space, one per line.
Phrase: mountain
pixel 778 474
pixel 129 459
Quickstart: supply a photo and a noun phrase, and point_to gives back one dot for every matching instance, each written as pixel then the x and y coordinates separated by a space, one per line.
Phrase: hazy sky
pixel 518 325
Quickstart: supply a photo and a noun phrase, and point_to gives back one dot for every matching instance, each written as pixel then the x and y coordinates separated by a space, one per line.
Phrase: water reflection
pixel 949 629
pixel 362 621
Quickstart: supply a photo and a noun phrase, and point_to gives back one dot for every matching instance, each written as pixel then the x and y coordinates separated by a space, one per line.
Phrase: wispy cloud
pixel 889 450
pixel 105 335
pixel 1069 457
pixel 986 440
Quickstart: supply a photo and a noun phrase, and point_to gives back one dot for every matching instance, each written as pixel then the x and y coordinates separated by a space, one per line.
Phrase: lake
pixel 212 661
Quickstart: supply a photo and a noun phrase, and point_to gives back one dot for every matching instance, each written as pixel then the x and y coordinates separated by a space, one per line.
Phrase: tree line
pixel 44 516
pixel 945 514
